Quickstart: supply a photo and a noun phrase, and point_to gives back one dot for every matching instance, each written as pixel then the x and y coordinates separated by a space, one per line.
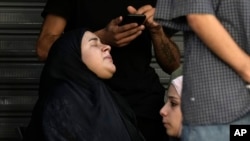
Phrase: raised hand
pixel 119 36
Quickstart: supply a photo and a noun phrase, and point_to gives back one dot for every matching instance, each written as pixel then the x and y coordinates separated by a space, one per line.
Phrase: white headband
pixel 177 82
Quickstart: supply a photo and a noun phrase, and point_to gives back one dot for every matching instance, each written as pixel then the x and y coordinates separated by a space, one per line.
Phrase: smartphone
pixel 133 18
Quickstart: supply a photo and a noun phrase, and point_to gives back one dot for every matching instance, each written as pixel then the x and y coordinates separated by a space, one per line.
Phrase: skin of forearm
pixel 44 44
pixel 52 28
pixel 219 41
pixel 166 52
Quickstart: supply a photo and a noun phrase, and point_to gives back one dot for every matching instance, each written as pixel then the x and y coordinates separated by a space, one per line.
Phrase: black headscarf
pixel 74 104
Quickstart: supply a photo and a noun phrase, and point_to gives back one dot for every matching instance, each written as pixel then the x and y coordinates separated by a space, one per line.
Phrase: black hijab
pixel 74 104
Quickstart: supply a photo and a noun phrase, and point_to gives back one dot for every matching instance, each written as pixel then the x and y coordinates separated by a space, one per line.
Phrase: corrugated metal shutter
pixel 20 69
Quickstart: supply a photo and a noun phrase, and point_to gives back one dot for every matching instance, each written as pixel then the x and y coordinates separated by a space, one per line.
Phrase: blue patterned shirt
pixel 213 93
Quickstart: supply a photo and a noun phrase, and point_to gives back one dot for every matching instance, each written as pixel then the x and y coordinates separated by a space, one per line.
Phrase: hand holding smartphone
pixel 133 18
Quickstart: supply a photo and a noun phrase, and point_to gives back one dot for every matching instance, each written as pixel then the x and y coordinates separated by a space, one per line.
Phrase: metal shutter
pixel 20 69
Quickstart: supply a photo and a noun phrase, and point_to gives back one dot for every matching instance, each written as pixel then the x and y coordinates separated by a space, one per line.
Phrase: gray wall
pixel 20 69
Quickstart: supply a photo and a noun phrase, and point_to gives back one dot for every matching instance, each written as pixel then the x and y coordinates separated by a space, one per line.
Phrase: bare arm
pixel 215 36
pixel 166 51
pixel 52 28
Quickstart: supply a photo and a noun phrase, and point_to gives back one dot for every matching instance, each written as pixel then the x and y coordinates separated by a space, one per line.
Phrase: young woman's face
pixel 97 56
pixel 171 113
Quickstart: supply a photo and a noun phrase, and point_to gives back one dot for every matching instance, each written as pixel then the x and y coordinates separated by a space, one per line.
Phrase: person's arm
pixel 52 28
pixel 216 37
pixel 166 51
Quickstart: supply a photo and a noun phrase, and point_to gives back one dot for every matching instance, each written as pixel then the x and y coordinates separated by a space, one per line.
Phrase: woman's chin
pixel 172 133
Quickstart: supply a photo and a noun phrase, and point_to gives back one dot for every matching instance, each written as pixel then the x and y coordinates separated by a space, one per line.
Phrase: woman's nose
pixel 164 110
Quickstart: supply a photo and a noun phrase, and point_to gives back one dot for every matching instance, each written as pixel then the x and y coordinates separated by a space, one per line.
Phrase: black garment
pixel 74 104
pixel 174 139
pixel 135 79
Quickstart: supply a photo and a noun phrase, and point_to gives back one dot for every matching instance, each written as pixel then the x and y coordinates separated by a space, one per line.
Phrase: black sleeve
pixel 58 7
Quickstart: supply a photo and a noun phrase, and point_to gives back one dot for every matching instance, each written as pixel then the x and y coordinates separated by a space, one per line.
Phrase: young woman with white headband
pixel 171 111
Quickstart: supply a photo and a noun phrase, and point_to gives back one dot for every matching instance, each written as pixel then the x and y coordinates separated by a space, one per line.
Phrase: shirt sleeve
pixel 172 13
pixel 61 8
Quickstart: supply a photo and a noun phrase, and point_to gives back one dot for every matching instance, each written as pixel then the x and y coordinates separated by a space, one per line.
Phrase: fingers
pixel 116 21
pixel 144 9
pixel 128 37
pixel 128 30
pixel 128 33
pixel 131 10
pixel 147 10
pixel 119 36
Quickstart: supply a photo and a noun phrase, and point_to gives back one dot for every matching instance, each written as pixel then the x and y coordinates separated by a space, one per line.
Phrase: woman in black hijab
pixel 74 103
